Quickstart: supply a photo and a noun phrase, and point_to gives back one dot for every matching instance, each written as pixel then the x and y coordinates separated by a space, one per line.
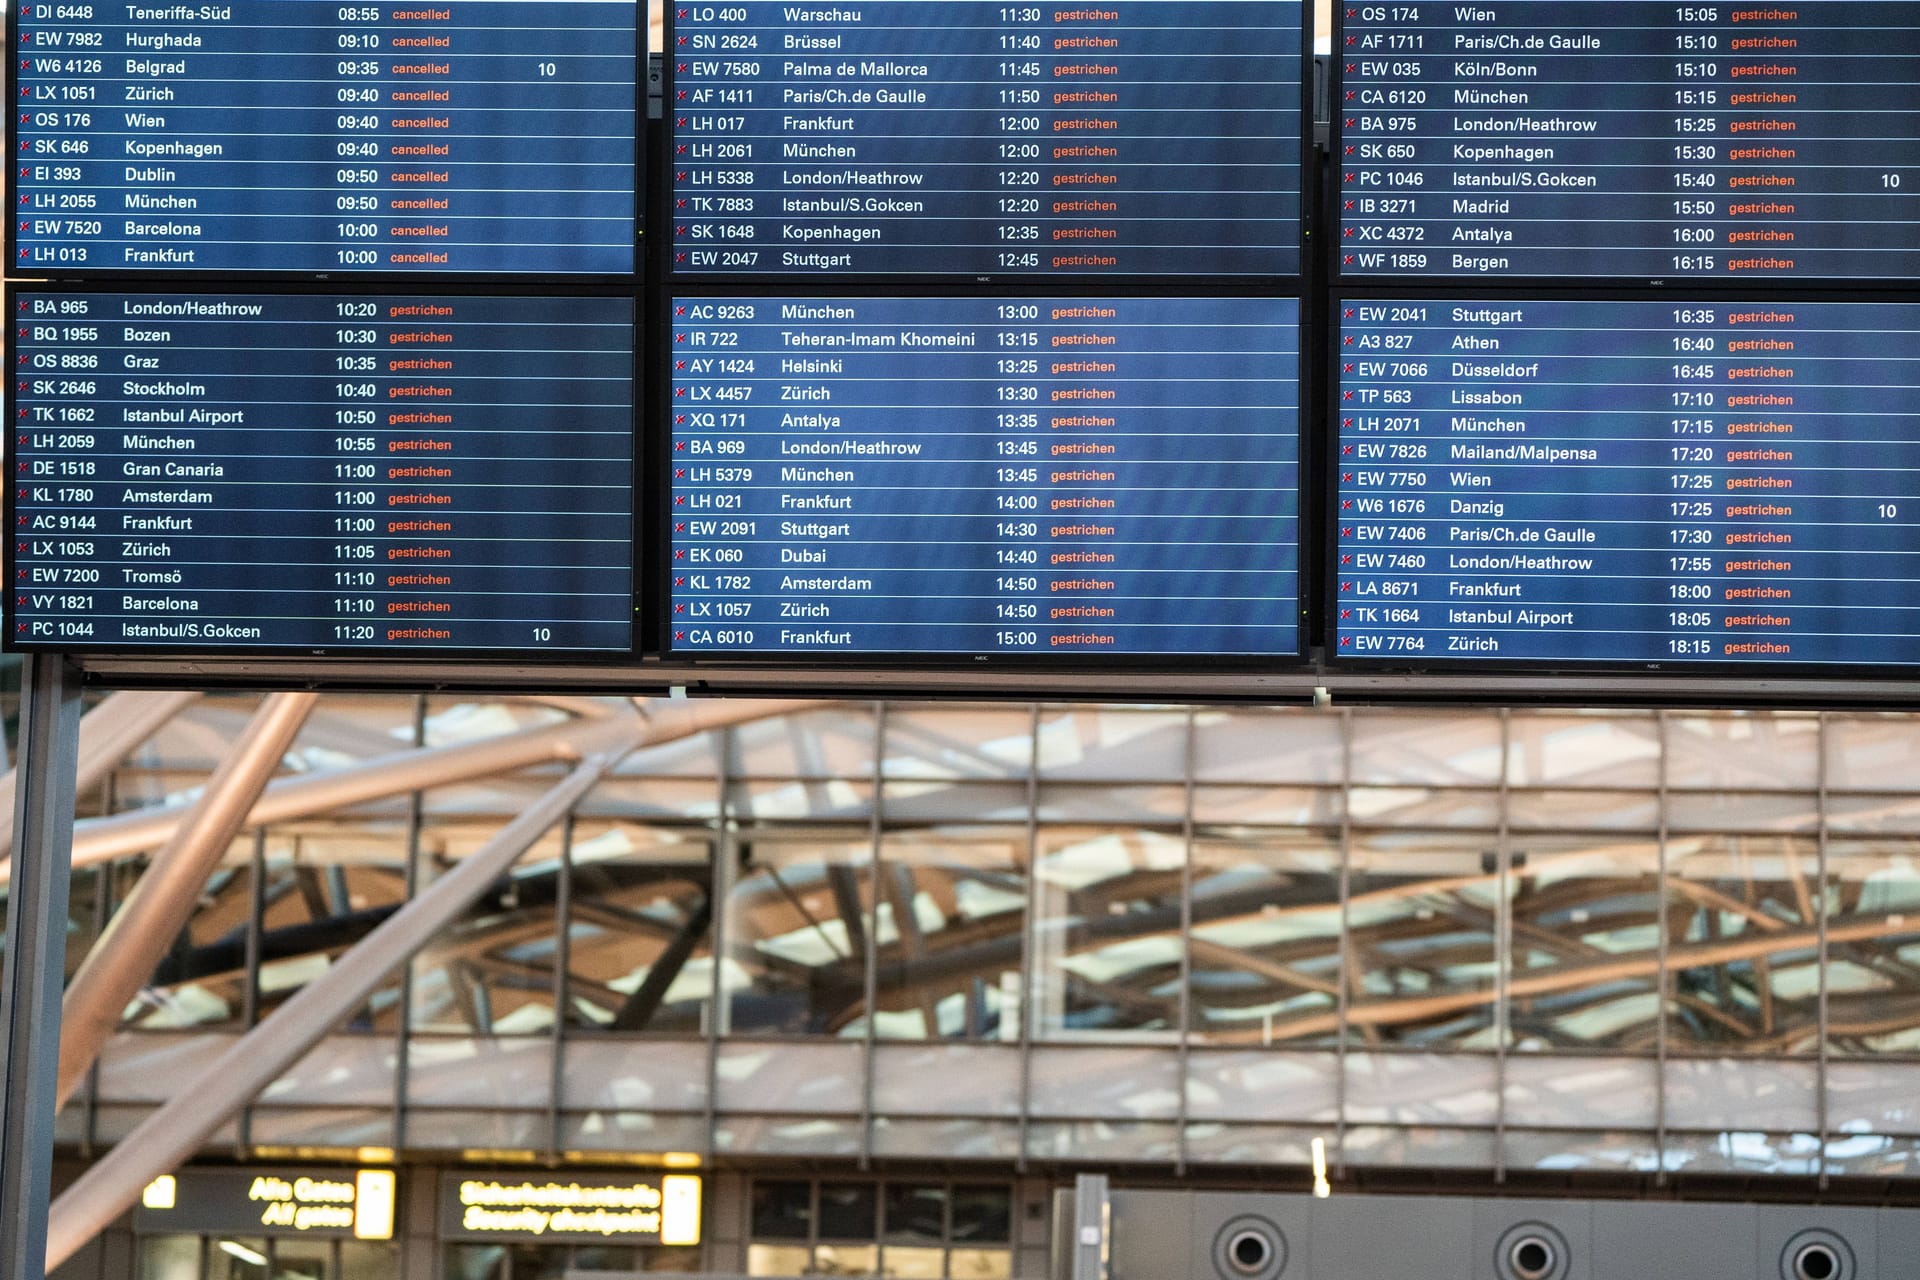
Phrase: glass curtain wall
pixel 1670 943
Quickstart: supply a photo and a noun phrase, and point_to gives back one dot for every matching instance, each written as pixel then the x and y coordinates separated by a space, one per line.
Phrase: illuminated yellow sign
pixel 319 1201
pixel 373 1204
pixel 608 1210
pixel 679 1209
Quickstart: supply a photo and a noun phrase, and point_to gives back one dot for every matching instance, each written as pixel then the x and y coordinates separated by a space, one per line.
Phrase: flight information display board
pixel 977 137
pixel 1615 138
pixel 326 472
pixel 447 137
pixel 969 475
pixel 1650 482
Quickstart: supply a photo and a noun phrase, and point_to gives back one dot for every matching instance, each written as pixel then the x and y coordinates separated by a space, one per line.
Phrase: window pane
pixel 241 1258
pixel 916 1214
pixel 639 933
pixel 778 1259
pixel 605 1257
pixel 1873 947
pixel 476 1262
pixel 1586 944
pixel 325 889
pixel 847 1211
pixel 913 1263
pixel 797 937
pixel 782 1210
pixel 1744 959
pixel 846 1260
pixel 953 907
pixel 539 1261
pixel 981 1264
pixel 982 1215
pixel 1107 943
pixel 378 1260
pixel 491 971
pixel 170 1258
pixel 1266 940
pixel 302 1259
pixel 1421 928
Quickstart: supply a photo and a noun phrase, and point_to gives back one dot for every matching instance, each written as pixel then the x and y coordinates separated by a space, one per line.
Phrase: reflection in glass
pixel 796 937
pixel 202 981
pixel 1873 947
pixel 491 971
pixel 782 1210
pixel 1421 927
pixel 779 1259
pixel 1266 939
pixel 324 890
pixel 295 1259
pixel 1743 944
pixel 170 1258
pixel 948 933
pixel 237 1258
pixel 848 1211
pixel 1586 944
pixel 639 934
pixel 982 1214
pixel 1107 940
pixel 916 1213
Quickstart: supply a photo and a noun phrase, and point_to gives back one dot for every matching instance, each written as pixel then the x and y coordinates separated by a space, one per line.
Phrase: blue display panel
pixel 969 475
pixel 447 137
pixel 326 472
pixel 1612 138
pixel 976 137
pixel 1653 482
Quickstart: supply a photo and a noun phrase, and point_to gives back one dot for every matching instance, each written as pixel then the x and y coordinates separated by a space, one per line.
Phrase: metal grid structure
pixel 1660 943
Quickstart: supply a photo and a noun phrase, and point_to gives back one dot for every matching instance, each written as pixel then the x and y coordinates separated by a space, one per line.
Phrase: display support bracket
pixel 44 793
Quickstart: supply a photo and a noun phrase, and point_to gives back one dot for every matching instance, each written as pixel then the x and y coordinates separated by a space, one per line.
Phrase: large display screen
pixel 1653 482
pixel 1069 474
pixel 978 137
pixel 449 137
pixel 1633 140
pixel 417 474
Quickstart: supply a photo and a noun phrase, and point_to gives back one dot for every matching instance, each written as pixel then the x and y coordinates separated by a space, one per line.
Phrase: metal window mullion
pixel 103 912
pixel 719 890
pixel 1344 943
pixel 1661 977
pixel 1186 943
pixel 562 953
pixel 35 951
pixel 1502 945
pixel 403 1015
pixel 1821 897
pixel 250 993
pixel 1027 1002
pixel 872 975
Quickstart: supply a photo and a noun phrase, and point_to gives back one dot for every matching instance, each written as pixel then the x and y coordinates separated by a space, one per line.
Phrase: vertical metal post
pixel 726 853
pixel 562 996
pixel 36 957
pixel 403 1012
pixel 1502 945
pixel 871 992
pixel 1092 1228
pixel 250 991
pixel 1028 978
pixel 1820 901
pixel 1344 942
pixel 1189 753
pixel 1661 976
